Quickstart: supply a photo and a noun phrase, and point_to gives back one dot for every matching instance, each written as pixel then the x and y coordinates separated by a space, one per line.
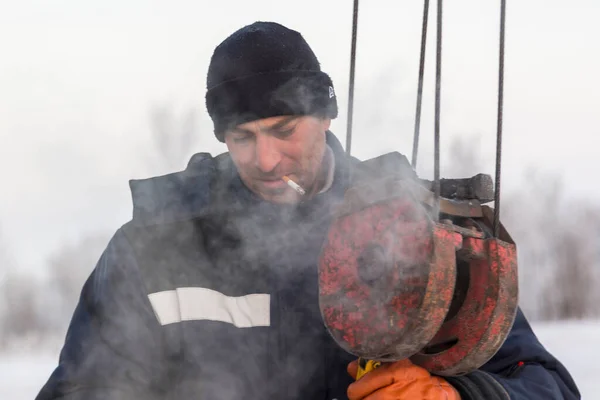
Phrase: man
pixel 211 292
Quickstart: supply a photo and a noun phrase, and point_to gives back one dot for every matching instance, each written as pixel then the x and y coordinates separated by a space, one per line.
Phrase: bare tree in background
pixel 526 213
pixel 6 260
pixel 32 307
pixel 69 267
pixel 28 306
pixel 174 137
pixel 71 264
pixel 558 259
pixel 556 240
pixel 21 315
pixel 572 248
pixel 19 311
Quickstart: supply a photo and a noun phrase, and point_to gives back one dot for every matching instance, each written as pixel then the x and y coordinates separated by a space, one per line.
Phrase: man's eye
pixel 285 133
pixel 241 139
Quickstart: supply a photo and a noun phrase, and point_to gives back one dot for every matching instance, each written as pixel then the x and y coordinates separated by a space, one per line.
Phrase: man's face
pixel 265 150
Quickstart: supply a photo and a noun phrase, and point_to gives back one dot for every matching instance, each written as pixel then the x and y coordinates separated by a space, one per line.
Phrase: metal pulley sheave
pixel 396 284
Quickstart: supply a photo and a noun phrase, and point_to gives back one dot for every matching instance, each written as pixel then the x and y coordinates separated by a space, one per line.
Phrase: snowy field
pixel 576 344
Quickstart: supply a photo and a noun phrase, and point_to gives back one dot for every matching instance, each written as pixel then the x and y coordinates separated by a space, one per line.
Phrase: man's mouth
pixel 273 183
pixel 281 184
pixel 269 179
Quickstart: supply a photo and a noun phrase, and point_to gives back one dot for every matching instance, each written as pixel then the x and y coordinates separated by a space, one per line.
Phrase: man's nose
pixel 267 153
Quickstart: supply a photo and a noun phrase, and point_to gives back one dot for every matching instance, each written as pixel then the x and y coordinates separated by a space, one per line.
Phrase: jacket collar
pixel 188 193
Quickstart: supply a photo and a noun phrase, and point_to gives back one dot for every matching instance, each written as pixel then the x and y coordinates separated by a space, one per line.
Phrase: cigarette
pixel 294 185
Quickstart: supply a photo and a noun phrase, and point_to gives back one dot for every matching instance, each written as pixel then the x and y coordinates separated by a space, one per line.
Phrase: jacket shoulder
pixel 523 363
pixel 392 164
pixel 179 195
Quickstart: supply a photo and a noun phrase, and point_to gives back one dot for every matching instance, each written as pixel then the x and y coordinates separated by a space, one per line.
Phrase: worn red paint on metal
pixel 387 277
pixel 393 312
pixel 487 314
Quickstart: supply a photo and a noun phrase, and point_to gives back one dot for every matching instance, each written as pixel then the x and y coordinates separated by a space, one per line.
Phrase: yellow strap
pixel 365 366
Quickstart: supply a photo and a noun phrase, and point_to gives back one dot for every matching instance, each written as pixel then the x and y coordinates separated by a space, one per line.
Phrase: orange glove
pixel 398 381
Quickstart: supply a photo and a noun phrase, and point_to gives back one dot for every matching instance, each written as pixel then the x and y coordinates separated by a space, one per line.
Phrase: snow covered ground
pixel 576 344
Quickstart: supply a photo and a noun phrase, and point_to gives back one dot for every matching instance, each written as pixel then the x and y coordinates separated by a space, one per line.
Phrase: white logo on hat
pixel 331 92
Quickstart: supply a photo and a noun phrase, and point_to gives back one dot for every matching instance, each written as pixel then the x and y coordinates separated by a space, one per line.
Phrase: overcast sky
pixel 78 78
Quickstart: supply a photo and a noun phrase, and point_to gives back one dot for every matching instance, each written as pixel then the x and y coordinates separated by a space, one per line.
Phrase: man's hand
pixel 398 381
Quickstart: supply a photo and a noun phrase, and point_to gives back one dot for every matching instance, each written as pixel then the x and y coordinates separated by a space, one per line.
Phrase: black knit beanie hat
pixel 264 70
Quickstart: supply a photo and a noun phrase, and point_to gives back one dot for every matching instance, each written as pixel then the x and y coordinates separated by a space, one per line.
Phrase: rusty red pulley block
pixel 396 283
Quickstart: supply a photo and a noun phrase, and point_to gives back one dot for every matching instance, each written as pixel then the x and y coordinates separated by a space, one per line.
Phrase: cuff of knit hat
pixel 268 95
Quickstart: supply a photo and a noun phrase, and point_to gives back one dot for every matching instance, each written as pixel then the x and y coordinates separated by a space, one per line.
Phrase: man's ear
pixel 326 123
